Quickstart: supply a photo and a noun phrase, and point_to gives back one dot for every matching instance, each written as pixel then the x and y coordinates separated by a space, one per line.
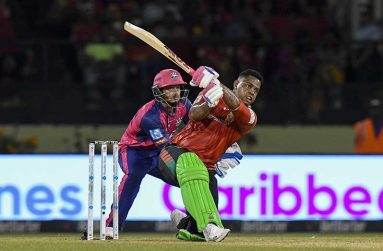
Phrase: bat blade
pixel 156 44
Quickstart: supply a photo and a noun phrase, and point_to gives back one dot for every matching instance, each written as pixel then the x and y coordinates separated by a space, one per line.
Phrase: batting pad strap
pixel 193 178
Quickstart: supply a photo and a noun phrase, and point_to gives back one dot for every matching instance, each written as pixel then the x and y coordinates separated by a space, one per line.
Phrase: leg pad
pixel 193 178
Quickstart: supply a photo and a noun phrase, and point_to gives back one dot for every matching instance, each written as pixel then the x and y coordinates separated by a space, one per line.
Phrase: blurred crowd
pixel 70 61
pixel 11 143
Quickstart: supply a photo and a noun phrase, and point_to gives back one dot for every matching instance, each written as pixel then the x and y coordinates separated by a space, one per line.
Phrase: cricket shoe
pixel 185 235
pixel 109 233
pixel 176 216
pixel 215 233
pixel 84 235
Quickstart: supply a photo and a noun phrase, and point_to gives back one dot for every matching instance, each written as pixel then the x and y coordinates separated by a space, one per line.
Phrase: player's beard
pixel 170 105
pixel 173 101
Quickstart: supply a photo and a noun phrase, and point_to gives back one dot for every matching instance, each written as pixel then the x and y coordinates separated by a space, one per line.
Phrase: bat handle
pixel 191 71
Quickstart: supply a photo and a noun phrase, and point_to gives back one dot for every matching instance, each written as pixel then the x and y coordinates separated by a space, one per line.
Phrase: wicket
pixel 104 153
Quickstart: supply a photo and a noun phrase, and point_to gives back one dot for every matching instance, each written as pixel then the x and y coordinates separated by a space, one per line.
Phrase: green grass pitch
pixel 168 242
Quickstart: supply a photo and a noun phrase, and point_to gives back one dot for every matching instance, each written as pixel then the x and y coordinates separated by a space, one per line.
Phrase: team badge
pixel 179 122
pixel 174 75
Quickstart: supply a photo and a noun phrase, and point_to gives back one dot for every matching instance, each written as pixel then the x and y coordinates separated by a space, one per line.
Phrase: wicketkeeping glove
pixel 213 95
pixel 203 76
pixel 230 159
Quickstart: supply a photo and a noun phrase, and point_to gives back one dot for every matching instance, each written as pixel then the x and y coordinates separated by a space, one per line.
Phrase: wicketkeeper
pixel 152 127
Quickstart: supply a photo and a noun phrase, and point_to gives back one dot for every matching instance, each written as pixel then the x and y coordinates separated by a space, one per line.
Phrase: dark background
pixel 71 62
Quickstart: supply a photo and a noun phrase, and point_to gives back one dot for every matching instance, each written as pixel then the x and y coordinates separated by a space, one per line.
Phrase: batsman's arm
pixel 231 100
pixel 245 117
pixel 206 77
pixel 199 110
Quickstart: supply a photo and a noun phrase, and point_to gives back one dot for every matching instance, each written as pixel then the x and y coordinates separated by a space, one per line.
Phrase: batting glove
pixel 213 95
pixel 203 76
pixel 230 159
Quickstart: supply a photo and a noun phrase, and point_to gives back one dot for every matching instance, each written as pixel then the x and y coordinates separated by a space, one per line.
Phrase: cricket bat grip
pixel 191 72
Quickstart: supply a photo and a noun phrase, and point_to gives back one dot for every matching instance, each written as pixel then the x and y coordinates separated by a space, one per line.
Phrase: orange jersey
pixel 210 137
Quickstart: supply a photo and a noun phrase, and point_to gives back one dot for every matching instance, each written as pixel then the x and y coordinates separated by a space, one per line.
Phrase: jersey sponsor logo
pixel 252 117
pixel 228 119
pixel 161 141
pixel 156 134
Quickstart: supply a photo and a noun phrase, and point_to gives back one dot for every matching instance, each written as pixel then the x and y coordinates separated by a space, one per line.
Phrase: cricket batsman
pixel 218 118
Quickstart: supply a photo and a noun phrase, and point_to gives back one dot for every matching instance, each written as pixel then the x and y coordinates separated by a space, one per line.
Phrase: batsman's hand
pixel 213 95
pixel 203 76
pixel 230 159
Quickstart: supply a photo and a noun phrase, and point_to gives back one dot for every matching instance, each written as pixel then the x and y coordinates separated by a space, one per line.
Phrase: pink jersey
pixel 152 126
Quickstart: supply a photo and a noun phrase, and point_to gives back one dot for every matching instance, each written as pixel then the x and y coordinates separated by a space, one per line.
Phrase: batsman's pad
pixel 193 178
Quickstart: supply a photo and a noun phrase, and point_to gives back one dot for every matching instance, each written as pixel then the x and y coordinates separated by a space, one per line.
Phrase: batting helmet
pixel 165 78
pixel 168 77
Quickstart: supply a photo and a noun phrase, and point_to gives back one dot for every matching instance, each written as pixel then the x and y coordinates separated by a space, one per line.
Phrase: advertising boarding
pixel 261 188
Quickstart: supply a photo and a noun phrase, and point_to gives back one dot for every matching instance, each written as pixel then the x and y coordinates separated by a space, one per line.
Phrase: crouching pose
pixel 148 132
